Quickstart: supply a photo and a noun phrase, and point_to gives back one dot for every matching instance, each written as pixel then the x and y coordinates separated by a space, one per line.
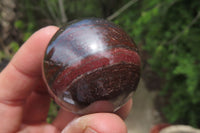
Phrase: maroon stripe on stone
pixel 93 62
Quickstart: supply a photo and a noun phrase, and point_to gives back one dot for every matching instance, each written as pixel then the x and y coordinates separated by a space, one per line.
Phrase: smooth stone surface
pixel 90 61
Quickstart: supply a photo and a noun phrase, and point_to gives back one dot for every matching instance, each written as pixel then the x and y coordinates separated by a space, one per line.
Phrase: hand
pixel 24 100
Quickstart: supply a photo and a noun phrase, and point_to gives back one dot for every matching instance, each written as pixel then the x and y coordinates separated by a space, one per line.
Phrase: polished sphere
pixel 91 66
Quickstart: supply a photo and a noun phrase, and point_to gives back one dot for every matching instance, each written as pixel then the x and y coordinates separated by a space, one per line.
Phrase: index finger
pixel 20 77
pixel 25 67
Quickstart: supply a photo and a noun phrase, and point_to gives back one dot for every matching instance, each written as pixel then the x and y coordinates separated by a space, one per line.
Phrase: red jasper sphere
pixel 90 66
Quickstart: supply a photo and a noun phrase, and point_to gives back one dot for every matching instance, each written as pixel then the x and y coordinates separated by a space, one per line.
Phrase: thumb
pixel 97 123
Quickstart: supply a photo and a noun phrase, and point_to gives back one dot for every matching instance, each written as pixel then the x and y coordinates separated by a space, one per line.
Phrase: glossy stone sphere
pixel 90 66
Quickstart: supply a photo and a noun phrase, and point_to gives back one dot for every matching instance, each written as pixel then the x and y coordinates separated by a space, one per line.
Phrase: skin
pixel 24 100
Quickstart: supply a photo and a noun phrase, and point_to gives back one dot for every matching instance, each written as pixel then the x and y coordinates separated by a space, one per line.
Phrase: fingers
pixel 64 117
pixel 37 103
pixel 20 77
pixel 38 128
pixel 97 123
pixel 24 71
pixel 36 108
pixel 124 111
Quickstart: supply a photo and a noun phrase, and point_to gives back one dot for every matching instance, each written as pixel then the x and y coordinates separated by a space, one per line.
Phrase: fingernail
pixel 90 130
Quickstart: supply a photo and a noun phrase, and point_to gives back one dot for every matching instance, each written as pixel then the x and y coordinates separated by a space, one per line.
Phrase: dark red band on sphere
pixel 99 60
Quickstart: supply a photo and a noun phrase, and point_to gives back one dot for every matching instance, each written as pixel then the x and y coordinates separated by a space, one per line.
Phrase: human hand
pixel 24 100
